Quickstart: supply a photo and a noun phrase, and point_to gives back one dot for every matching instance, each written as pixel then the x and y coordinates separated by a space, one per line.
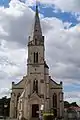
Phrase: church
pixel 37 89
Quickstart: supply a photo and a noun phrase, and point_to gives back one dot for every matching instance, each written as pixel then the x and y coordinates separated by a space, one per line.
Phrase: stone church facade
pixel 37 88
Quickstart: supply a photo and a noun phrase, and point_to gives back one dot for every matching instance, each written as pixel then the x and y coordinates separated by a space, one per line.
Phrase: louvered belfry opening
pixel 36 57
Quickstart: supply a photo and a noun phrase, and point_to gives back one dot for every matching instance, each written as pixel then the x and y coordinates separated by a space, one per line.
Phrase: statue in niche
pixel 35 86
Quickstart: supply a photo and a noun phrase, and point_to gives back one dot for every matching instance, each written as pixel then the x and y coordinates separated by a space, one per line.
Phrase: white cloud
pixel 62 45
pixel 68 5
pixel 77 16
pixel 65 45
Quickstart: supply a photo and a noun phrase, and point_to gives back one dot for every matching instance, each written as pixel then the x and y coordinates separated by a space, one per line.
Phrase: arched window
pixel 55 104
pixel 35 41
pixel 35 57
pixel 54 100
pixel 35 86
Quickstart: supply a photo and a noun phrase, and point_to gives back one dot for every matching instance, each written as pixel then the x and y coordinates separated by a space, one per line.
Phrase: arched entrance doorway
pixel 35 109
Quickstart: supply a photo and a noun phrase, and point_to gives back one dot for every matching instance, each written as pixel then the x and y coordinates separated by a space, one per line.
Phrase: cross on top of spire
pixel 36 10
pixel 36 7
pixel 37 2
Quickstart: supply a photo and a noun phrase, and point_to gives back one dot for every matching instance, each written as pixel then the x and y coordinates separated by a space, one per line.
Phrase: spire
pixel 36 33
pixel 37 27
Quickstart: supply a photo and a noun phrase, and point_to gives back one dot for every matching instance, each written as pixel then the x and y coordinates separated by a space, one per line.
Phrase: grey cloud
pixel 17 28
pixel 74 94
pixel 4 92
pixel 63 53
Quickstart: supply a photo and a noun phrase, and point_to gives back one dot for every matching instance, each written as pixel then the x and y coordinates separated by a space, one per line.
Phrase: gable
pixel 54 84
pixel 21 84
pixel 34 97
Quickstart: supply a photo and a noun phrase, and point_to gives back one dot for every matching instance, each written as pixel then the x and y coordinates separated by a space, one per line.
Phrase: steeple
pixel 37 33
pixel 36 30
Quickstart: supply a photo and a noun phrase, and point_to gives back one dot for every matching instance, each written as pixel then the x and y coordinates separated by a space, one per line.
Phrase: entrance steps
pixel 34 119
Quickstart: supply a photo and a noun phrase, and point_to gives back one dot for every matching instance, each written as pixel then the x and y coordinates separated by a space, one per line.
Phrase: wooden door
pixel 35 108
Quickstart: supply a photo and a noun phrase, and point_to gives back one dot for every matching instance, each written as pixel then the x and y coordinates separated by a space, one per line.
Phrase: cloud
pixel 12 21
pixel 67 6
pixel 72 96
pixel 65 45
pixel 4 92
pixel 62 45
pixel 77 16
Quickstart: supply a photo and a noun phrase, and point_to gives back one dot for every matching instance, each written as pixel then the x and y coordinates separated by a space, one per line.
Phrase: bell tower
pixel 35 62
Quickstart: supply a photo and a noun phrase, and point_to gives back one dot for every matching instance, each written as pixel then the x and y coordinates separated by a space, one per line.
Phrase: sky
pixel 60 22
